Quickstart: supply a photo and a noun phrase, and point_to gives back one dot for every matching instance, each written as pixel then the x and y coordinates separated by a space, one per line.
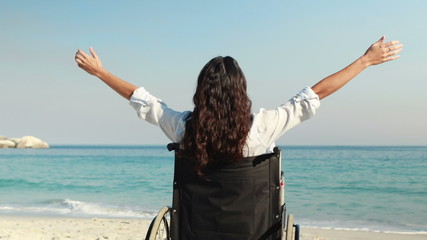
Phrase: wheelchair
pixel 243 200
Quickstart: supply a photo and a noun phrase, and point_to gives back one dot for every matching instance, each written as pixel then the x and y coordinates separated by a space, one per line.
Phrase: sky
pixel 282 47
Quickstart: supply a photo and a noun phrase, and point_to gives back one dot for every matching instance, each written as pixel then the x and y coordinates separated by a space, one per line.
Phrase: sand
pixel 54 228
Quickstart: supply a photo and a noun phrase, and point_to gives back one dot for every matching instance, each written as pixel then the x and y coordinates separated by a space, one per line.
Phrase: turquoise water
pixel 373 188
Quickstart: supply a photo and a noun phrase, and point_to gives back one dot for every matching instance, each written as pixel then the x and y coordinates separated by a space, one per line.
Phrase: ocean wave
pixel 75 208
pixel 79 207
pixel 16 183
pixel 23 184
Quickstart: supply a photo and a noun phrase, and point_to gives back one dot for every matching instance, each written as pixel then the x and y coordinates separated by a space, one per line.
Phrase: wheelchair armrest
pixel 172 146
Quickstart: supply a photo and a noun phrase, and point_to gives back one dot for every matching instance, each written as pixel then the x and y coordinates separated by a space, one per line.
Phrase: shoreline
pixel 55 228
pixel 312 233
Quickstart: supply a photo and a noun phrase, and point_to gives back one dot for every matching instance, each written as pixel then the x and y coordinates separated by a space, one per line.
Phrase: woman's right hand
pixel 381 52
pixel 91 64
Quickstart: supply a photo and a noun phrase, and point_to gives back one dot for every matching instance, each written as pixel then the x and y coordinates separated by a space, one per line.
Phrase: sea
pixel 372 188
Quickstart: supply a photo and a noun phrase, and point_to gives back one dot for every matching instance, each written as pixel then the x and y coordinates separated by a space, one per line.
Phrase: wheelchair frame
pixel 160 225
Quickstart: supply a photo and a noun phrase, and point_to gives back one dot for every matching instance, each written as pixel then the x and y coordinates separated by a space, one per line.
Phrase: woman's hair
pixel 216 131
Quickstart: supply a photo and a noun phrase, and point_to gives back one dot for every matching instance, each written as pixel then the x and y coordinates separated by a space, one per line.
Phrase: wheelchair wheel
pixel 159 227
pixel 290 227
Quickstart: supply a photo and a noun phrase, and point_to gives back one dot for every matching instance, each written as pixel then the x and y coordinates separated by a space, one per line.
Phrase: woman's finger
pixel 79 53
pixel 83 54
pixel 79 57
pixel 93 53
pixel 392 58
pixel 380 41
pixel 399 46
pixel 79 61
pixel 394 52
pixel 390 43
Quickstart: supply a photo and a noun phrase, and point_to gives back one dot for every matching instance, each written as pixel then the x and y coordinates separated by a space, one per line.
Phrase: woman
pixel 221 128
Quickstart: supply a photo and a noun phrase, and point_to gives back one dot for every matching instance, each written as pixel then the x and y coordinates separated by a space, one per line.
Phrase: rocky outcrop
pixel 24 142
pixel 6 143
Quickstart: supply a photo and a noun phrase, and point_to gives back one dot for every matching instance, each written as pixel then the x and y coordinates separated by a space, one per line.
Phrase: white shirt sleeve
pixel 269 125
pixel 156 112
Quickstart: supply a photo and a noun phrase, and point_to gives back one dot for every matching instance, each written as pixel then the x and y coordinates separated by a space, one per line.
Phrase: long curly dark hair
pixel 216 130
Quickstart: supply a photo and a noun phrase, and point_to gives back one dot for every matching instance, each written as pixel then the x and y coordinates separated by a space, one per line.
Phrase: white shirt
pixel 267 126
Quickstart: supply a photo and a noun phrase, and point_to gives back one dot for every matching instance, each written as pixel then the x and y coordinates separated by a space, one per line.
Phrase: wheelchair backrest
pixel 238 201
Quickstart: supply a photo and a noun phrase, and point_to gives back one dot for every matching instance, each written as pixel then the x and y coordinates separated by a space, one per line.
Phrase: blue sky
pixel 282 46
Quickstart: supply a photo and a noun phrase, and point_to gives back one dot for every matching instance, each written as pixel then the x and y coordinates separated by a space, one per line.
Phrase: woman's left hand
pixel 381 52
pixel 91 64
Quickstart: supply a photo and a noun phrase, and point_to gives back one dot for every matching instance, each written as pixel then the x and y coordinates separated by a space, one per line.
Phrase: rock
pixel 6 143
pixel 16 140
pixel 24 142
pixel 31 142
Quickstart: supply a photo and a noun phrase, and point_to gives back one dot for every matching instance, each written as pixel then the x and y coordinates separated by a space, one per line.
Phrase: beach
pixel 56 228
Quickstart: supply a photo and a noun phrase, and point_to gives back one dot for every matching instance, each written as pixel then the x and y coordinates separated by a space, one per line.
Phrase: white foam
pixel 76 208
pixel 84 208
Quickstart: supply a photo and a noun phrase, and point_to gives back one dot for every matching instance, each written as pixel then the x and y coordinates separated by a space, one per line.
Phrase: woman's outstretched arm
pixel 377 53
pixel 92 65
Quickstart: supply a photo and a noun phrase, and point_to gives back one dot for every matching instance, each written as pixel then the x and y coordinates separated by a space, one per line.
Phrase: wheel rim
pixel 290 227
pixel 163 230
